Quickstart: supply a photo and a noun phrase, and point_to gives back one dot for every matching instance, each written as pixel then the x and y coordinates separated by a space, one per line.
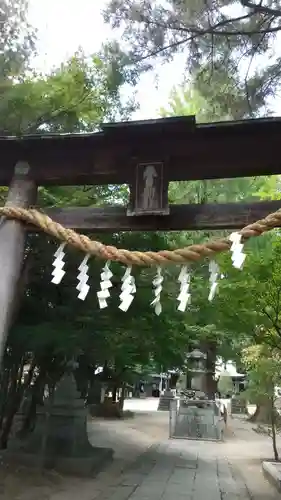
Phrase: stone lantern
pixel 196 371
pixel 60 440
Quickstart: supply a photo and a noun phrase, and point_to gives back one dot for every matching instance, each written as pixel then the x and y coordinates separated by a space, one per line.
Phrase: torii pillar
pixel 22 193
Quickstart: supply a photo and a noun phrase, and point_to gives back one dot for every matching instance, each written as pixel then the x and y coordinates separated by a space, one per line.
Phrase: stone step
pixel 164 403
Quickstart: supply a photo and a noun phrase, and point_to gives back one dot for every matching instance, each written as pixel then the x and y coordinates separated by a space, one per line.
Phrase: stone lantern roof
pixel 196 354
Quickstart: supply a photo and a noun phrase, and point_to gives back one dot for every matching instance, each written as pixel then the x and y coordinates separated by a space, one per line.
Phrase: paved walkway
pixel 148 466
pixel 179 471
pixel 176 471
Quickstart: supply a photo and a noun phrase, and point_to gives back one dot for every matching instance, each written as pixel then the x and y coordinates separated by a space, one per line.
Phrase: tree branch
pixel 255 48
pixel 273 322
pixel 260 8
pixel 213 30
pixel 54 115
pixel 266 340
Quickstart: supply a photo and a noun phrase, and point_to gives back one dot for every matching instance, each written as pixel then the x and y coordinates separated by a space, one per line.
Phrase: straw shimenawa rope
pixel 190 253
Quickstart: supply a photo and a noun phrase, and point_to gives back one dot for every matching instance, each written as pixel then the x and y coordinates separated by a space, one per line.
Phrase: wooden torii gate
pixel 146 155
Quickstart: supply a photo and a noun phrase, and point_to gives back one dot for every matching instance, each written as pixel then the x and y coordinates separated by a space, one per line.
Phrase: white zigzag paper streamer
pixel 214 274
pixel 58 264
pixel 103 294
pixel 128 289
pixel 157 283
pixel 184 295
pixel 238 257
pixel 83 277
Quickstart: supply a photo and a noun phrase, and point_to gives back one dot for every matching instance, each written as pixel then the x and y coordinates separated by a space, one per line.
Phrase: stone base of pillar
pixel 89 466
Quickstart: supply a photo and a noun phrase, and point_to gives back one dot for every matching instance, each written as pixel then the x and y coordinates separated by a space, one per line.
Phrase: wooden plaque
pixel 149 193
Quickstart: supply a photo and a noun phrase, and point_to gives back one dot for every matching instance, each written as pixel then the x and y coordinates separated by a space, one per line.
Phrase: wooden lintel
pixel 182 217
pixel 212 151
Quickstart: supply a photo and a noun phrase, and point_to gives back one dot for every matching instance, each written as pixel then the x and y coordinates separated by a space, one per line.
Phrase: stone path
pixel 169 471
pixel 186 470
pixel 148 466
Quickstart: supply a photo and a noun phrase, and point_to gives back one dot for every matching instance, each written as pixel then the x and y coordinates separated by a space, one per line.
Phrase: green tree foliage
pixel 188 100
pixel 250 300
pixel 17 44
pixel 17 40
pixel 225 385
pixel 263 366
pixel 76 97
pixel 224 42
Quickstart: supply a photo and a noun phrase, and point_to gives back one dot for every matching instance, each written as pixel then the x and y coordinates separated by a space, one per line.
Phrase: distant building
pixel 229 369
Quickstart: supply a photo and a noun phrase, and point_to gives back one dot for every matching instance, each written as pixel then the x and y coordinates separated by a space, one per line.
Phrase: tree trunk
pixel 94 391
pixel 30 417
pixel 4 394
pixel 273 430
pixel 122 397
pixel 173 380
pixel 29 376
pixel 7 426
pixel 14 400
pixel 114 393
pixel 210 348
pixel 263 413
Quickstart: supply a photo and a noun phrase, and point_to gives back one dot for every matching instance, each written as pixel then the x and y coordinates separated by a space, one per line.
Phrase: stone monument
pixel 59 440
